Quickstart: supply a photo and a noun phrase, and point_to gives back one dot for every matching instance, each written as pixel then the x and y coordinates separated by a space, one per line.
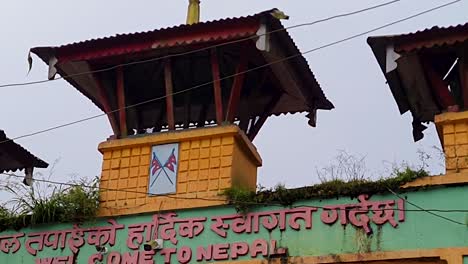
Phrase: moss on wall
pixel 243 199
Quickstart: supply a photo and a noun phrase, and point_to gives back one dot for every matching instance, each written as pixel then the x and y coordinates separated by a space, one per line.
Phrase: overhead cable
pixel 233 201
pixel 201 49
pixel 233 75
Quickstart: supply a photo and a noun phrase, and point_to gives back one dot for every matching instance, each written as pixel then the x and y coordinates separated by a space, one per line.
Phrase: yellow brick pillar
pixel 453 133
pixel 210 160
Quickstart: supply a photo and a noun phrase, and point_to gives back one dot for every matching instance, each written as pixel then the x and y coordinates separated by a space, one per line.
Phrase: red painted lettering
pixel 60 260
pixel 10 243
pixel 55 260
pixel 259 246
pixel 146 257
pixel 204 254
pixel 220 252
pixel 129 258
pixel 275 250
pixel 114 258
pixel 184 255
pixel 94 258
pixel 167 253
pixel 401 210
pixel 44 261
pixel 239 249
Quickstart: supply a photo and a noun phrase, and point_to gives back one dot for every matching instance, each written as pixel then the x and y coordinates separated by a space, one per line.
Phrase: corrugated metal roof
pixel 183 35
pixel 422 108
pixel 427 38
pixel 14 157
pixel 180 35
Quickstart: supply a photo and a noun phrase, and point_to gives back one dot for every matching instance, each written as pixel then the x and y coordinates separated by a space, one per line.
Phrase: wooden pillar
pixel 121 102
pixel 169 91
pixel 217 86
pixel 104 100
pixel 237 87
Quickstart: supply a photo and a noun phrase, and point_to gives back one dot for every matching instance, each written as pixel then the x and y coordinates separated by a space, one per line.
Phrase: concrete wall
pixel 420 235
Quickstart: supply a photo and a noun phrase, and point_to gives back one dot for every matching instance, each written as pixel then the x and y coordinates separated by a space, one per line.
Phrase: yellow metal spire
pixel 193 15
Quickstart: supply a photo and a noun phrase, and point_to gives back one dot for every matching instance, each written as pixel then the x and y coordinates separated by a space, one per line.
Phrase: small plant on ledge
pixel 39 204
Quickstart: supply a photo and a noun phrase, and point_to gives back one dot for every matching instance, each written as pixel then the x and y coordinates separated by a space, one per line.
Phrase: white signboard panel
pixel 163 169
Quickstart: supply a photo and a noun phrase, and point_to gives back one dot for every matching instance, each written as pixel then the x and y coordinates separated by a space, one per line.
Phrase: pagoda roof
pixel 301 91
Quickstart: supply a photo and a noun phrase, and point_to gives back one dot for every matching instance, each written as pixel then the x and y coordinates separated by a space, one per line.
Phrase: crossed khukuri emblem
pixel 156 165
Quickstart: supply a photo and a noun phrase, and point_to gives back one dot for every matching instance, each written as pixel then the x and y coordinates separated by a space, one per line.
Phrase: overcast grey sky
pixel 366 120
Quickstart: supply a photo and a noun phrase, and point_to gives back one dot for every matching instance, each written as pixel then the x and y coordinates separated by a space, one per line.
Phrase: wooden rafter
pixel 104 100
pixel 217 86
pixel 236 89
pixel 169 97
pixel 255 128
pixel 121 102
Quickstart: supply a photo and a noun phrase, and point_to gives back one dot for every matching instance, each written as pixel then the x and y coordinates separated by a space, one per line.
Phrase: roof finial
pixel 193 15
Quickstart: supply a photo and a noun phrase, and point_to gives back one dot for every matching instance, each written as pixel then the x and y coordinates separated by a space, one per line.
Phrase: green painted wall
pixel 420 230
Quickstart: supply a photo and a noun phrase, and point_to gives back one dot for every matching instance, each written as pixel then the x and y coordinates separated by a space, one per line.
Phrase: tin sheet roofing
pixel 216 31
pixel 425 39
pixel 14 157
pixel 181 35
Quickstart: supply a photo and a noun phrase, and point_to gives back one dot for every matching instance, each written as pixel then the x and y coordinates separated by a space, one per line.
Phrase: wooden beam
pixel 169 91
pixel 237 87
pixel 217 86
pixel 255 128
pixel 104 100
pixel 121 102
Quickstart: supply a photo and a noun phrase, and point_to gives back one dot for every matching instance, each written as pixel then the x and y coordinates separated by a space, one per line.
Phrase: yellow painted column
pixel 210 160
pixel 453 134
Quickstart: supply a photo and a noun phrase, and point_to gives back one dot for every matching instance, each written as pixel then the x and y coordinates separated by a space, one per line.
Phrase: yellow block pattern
pixel 210 161
pixel 453 132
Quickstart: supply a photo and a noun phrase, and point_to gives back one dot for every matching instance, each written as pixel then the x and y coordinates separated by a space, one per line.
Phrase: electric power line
pixel 428 211
pixel 204 48
pixel 236 201
pixel 236 74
